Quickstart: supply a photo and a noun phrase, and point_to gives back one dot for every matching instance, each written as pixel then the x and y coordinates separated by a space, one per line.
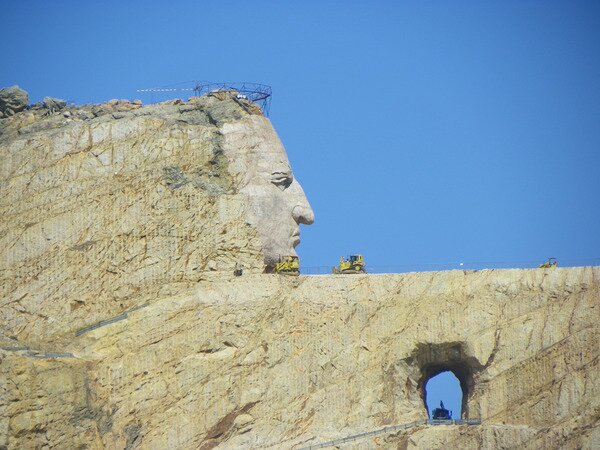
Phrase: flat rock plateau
pixel 123 325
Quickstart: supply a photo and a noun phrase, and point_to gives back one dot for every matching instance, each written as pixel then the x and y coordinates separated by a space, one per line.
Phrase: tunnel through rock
pixel 442 393
pixel 433 359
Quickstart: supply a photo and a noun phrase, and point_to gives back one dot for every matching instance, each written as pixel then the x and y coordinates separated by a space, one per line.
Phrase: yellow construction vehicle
pixel 352 264
pixel 552 262
pixel 287 265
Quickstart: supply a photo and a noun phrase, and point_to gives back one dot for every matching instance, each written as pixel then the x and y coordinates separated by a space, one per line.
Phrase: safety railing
pixel 255 92
pixel 102 323
pixel 391 429
pixel 36 354
pixel 460 265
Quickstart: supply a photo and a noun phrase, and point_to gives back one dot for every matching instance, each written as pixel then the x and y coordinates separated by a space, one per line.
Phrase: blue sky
pixel 444 387
pixel 425 133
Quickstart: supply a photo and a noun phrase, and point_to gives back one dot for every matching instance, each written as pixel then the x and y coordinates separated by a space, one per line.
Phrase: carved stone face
pixel 262 172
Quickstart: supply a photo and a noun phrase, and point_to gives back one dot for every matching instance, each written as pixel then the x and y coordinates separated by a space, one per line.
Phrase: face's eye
pixel 282 179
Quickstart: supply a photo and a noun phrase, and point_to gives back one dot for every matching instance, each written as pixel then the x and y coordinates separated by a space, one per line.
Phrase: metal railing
pixel 102 323
pixel 391 429
pixel 460 265
pixel 37 354
pixel 257 93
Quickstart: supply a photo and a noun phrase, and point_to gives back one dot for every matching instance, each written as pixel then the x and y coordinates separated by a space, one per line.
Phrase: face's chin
pixel 273 252
pixel 270 213
pixel 276 245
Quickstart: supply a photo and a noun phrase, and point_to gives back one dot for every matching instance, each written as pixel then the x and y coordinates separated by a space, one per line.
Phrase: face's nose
pixel 301 210
pixel 303 214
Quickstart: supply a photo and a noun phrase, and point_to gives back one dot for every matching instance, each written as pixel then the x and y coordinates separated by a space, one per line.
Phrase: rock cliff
pixel 123 325
pixel 106 206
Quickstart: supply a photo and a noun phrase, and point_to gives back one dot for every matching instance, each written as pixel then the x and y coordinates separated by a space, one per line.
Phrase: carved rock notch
pixel 433 359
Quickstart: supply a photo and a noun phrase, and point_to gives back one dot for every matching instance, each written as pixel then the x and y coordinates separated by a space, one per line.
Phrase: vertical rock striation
pixel 123 325
pixel 106 207
pixel 263 361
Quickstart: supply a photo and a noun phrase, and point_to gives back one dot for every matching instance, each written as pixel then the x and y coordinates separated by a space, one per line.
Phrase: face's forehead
pixel 269 151
pixel 254 149
pixel 271 162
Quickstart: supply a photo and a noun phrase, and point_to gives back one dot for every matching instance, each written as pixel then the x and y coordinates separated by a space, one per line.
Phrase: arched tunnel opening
pixel 435 359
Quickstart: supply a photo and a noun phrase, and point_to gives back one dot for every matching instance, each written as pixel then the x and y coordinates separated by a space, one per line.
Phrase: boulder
pixel 54 104
pixel 12 100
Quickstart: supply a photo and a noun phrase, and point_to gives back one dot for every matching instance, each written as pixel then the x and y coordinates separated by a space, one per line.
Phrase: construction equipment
pixel 441 413
pixel 352 264
pixel 287 265
pixel 552 262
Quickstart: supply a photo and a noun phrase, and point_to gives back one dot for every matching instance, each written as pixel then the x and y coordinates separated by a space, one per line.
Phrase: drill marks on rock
pixel 541 396
pixel 176 348
pixel 507 319
pixel 546 317
pixel 542 372
pixel 295 335
pixel 576 307
pixel 184 226
pixel 211 182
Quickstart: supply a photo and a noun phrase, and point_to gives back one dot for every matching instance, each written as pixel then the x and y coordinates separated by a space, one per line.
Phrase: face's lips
pixel 296 237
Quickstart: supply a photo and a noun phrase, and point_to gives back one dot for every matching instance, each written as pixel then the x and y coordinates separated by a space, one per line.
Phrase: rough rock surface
pixel 104 205
pixel 123 325
pixel 263 361
pixel 54 104
pixel 12 100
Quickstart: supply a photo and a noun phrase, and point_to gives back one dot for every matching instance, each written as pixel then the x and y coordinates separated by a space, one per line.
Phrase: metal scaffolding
pixel 254 92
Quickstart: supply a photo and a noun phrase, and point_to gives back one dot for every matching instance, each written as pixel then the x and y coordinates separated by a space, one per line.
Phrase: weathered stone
pixel 123 323
pixel 264 360
pixel 54 104
pixel 159 197
pixel 12 100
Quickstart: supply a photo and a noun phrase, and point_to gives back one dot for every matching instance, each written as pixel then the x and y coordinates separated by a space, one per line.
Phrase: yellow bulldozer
pixel 352 264
pixel 552 262
pixel 287 265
